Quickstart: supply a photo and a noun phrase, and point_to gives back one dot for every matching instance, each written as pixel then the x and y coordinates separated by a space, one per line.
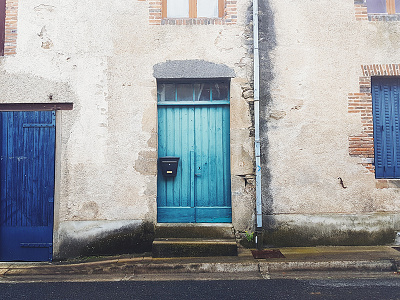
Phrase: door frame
pixel 194 104
pixel 58 108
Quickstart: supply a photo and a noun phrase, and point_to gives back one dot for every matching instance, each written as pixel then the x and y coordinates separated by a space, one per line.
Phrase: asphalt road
pixel 205 289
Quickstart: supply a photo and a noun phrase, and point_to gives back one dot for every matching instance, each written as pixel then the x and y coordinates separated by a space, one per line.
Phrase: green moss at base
pixel 285 237
pixel 247 244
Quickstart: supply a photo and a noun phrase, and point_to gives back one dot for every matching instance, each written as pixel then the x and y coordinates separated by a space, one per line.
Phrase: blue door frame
pixel 27 185
pixel 197 133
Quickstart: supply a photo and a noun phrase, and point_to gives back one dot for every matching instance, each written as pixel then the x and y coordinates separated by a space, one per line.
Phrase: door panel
pixel 199 135
pixel 27 185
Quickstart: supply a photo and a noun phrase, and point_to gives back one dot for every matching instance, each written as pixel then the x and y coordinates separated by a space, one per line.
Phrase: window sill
pixel 197 21
pixel 383 17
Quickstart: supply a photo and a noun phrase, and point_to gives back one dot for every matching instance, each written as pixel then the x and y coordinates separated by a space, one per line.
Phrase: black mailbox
pixel 169 165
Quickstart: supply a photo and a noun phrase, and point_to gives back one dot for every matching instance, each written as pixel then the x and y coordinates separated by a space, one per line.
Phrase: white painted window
pixel 178 9
pixel 193 8
pixel 207 8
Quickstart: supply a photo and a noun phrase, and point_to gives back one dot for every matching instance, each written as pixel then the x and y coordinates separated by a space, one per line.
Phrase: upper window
pixel 193 8
pixel 383 6
pixel 193 91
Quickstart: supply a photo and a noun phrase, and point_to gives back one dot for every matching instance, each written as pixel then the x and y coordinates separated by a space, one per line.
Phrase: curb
pixel 351 265
pixel 179 268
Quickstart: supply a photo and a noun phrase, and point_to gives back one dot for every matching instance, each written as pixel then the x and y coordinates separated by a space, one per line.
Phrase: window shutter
pixel 388 155
pixel 378 128
pixel 396 126
pixel 385 97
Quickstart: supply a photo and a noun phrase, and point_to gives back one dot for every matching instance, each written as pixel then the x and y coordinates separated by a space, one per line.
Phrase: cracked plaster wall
pixel 100 56
pixel 315 59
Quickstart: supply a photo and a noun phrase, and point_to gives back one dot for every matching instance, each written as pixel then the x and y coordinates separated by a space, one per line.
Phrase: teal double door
pixel 201 191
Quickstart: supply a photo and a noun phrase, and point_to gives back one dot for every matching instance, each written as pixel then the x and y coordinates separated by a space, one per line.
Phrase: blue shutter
pixel 396 127
pixel 378 128
pixel 385 100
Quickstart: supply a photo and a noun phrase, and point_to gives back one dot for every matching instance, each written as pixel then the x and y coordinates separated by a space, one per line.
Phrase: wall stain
pixel 305 237
pixel 89 210
pixel 267 43
pixel 146 164
pixel 125 240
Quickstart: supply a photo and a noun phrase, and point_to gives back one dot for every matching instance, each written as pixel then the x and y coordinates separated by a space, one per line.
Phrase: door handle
pixel 197 174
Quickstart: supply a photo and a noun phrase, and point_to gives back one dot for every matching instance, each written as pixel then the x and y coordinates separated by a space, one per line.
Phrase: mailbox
pixel 169 165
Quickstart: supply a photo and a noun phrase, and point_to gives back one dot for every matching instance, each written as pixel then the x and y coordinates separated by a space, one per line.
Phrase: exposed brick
pixel 11 27
pixel 360 11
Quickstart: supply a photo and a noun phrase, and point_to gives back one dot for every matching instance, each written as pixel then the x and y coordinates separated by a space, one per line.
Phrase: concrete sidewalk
pixel 327 259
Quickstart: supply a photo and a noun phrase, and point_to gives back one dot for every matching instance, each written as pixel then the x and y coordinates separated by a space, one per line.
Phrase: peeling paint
pixel 277 114
pixel 146 164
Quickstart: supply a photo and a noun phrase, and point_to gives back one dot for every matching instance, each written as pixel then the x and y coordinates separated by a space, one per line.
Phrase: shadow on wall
pixel 267 43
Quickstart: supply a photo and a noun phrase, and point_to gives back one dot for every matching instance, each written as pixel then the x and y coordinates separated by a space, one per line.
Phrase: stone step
pixel 197 230
pixel 193 247
pixel 191 240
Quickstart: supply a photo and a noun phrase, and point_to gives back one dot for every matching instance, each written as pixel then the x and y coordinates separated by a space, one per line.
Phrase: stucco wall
pixel 314 62
pixel 100 56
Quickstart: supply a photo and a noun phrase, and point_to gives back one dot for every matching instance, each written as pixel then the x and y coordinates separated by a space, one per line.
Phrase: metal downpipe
pixel 257 150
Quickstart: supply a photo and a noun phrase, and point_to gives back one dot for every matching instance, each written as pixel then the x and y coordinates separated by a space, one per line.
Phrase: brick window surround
pixel 360 7
pixel 11 17
pixel 362 145
pixel 156 7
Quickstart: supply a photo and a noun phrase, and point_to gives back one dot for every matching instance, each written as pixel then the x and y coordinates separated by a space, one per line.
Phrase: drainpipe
pixel 257 151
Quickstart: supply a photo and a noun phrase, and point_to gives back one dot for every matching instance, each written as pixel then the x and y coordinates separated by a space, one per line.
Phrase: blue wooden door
pixel 199 136
pixel 386 112
pixel 27 185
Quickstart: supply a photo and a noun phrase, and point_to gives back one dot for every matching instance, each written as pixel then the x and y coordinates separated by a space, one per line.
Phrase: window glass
pixel 184 92
pixel 376 6
pixel 166 92
pixel 202 92
pixel 397 6
pixel 178 9
pixel 207 8
pixel 220 91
